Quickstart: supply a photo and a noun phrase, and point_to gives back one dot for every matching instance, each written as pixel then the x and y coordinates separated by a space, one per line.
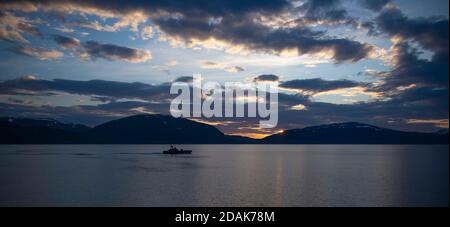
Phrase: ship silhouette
pixel 174 150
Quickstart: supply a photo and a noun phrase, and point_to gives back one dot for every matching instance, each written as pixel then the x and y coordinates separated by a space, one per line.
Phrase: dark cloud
pixel 266 77
pixel 389 114
pixel 37 52
pixel 192 8
pixel 394 112
pixel 115 90
pixel 375 5
pixel 288 100
pixel 233 22
pixel 425 96
pixel 414 86
pixel 432 33
pixel 409 69
pixel 325 11
pixel 112 52
pixel 185 79
pixel 259 37
pixel 371 28
pixel 66 42
pixel 314 6
pixel 199 8
pixel 319 85
pixel 93 50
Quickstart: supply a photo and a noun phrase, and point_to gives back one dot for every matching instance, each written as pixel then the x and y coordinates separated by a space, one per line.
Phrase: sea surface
pixel 224 175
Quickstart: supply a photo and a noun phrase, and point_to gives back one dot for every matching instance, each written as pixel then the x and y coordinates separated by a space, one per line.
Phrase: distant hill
pixel 46 123
pixel 39 131
pixel 156 129
pixel 162 129
pixel 138 129
pixel 353 133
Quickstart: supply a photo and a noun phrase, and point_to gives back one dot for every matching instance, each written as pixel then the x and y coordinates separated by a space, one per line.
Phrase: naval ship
pixel 174 150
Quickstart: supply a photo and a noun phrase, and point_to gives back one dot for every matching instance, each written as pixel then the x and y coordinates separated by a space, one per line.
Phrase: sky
pixel 381 62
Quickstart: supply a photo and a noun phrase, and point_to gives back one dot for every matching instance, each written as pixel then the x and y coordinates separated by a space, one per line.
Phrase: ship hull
pixel 178 152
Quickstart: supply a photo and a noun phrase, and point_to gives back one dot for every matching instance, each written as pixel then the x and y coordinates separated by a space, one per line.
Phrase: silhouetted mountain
pixel 156 129
pixel 241 140
pixel 443 131
pixel 161 129
pixel 353 133
pixel 46 123
pixel 138 129
pixel 31 131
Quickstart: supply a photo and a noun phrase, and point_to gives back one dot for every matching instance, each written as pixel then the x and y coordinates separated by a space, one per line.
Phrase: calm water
pixel 224 175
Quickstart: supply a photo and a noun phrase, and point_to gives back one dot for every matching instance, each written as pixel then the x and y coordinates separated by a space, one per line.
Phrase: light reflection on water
pixel 224 175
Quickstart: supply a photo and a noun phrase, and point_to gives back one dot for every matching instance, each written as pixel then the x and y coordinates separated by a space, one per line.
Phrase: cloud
pixel 147 33
pixel 172 63
pixel 12 28
pixel 94 25
pixel 318 85
pixel 391 113
pixel 277 27
pixel 299 107
pixel 409 69
pixel 214 65
pixel 233 69
pixel 423 30
pixel 29 77
pixel 440 123
pixel 93 50
pixel 211 65
pixel 233 26
pixel 64 29
pixel 246 35
pixel 114 90
pixel 39 53
pixel 295 110
pixel 426 79
pixel 375 5
pixel 166 67
pixel 66 42
pixel 414 83
pixel 266 77
pixel 291 112
pixel 185 79
pixel 324 12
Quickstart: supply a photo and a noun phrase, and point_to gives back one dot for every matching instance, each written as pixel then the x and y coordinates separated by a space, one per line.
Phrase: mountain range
pixel 162 129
